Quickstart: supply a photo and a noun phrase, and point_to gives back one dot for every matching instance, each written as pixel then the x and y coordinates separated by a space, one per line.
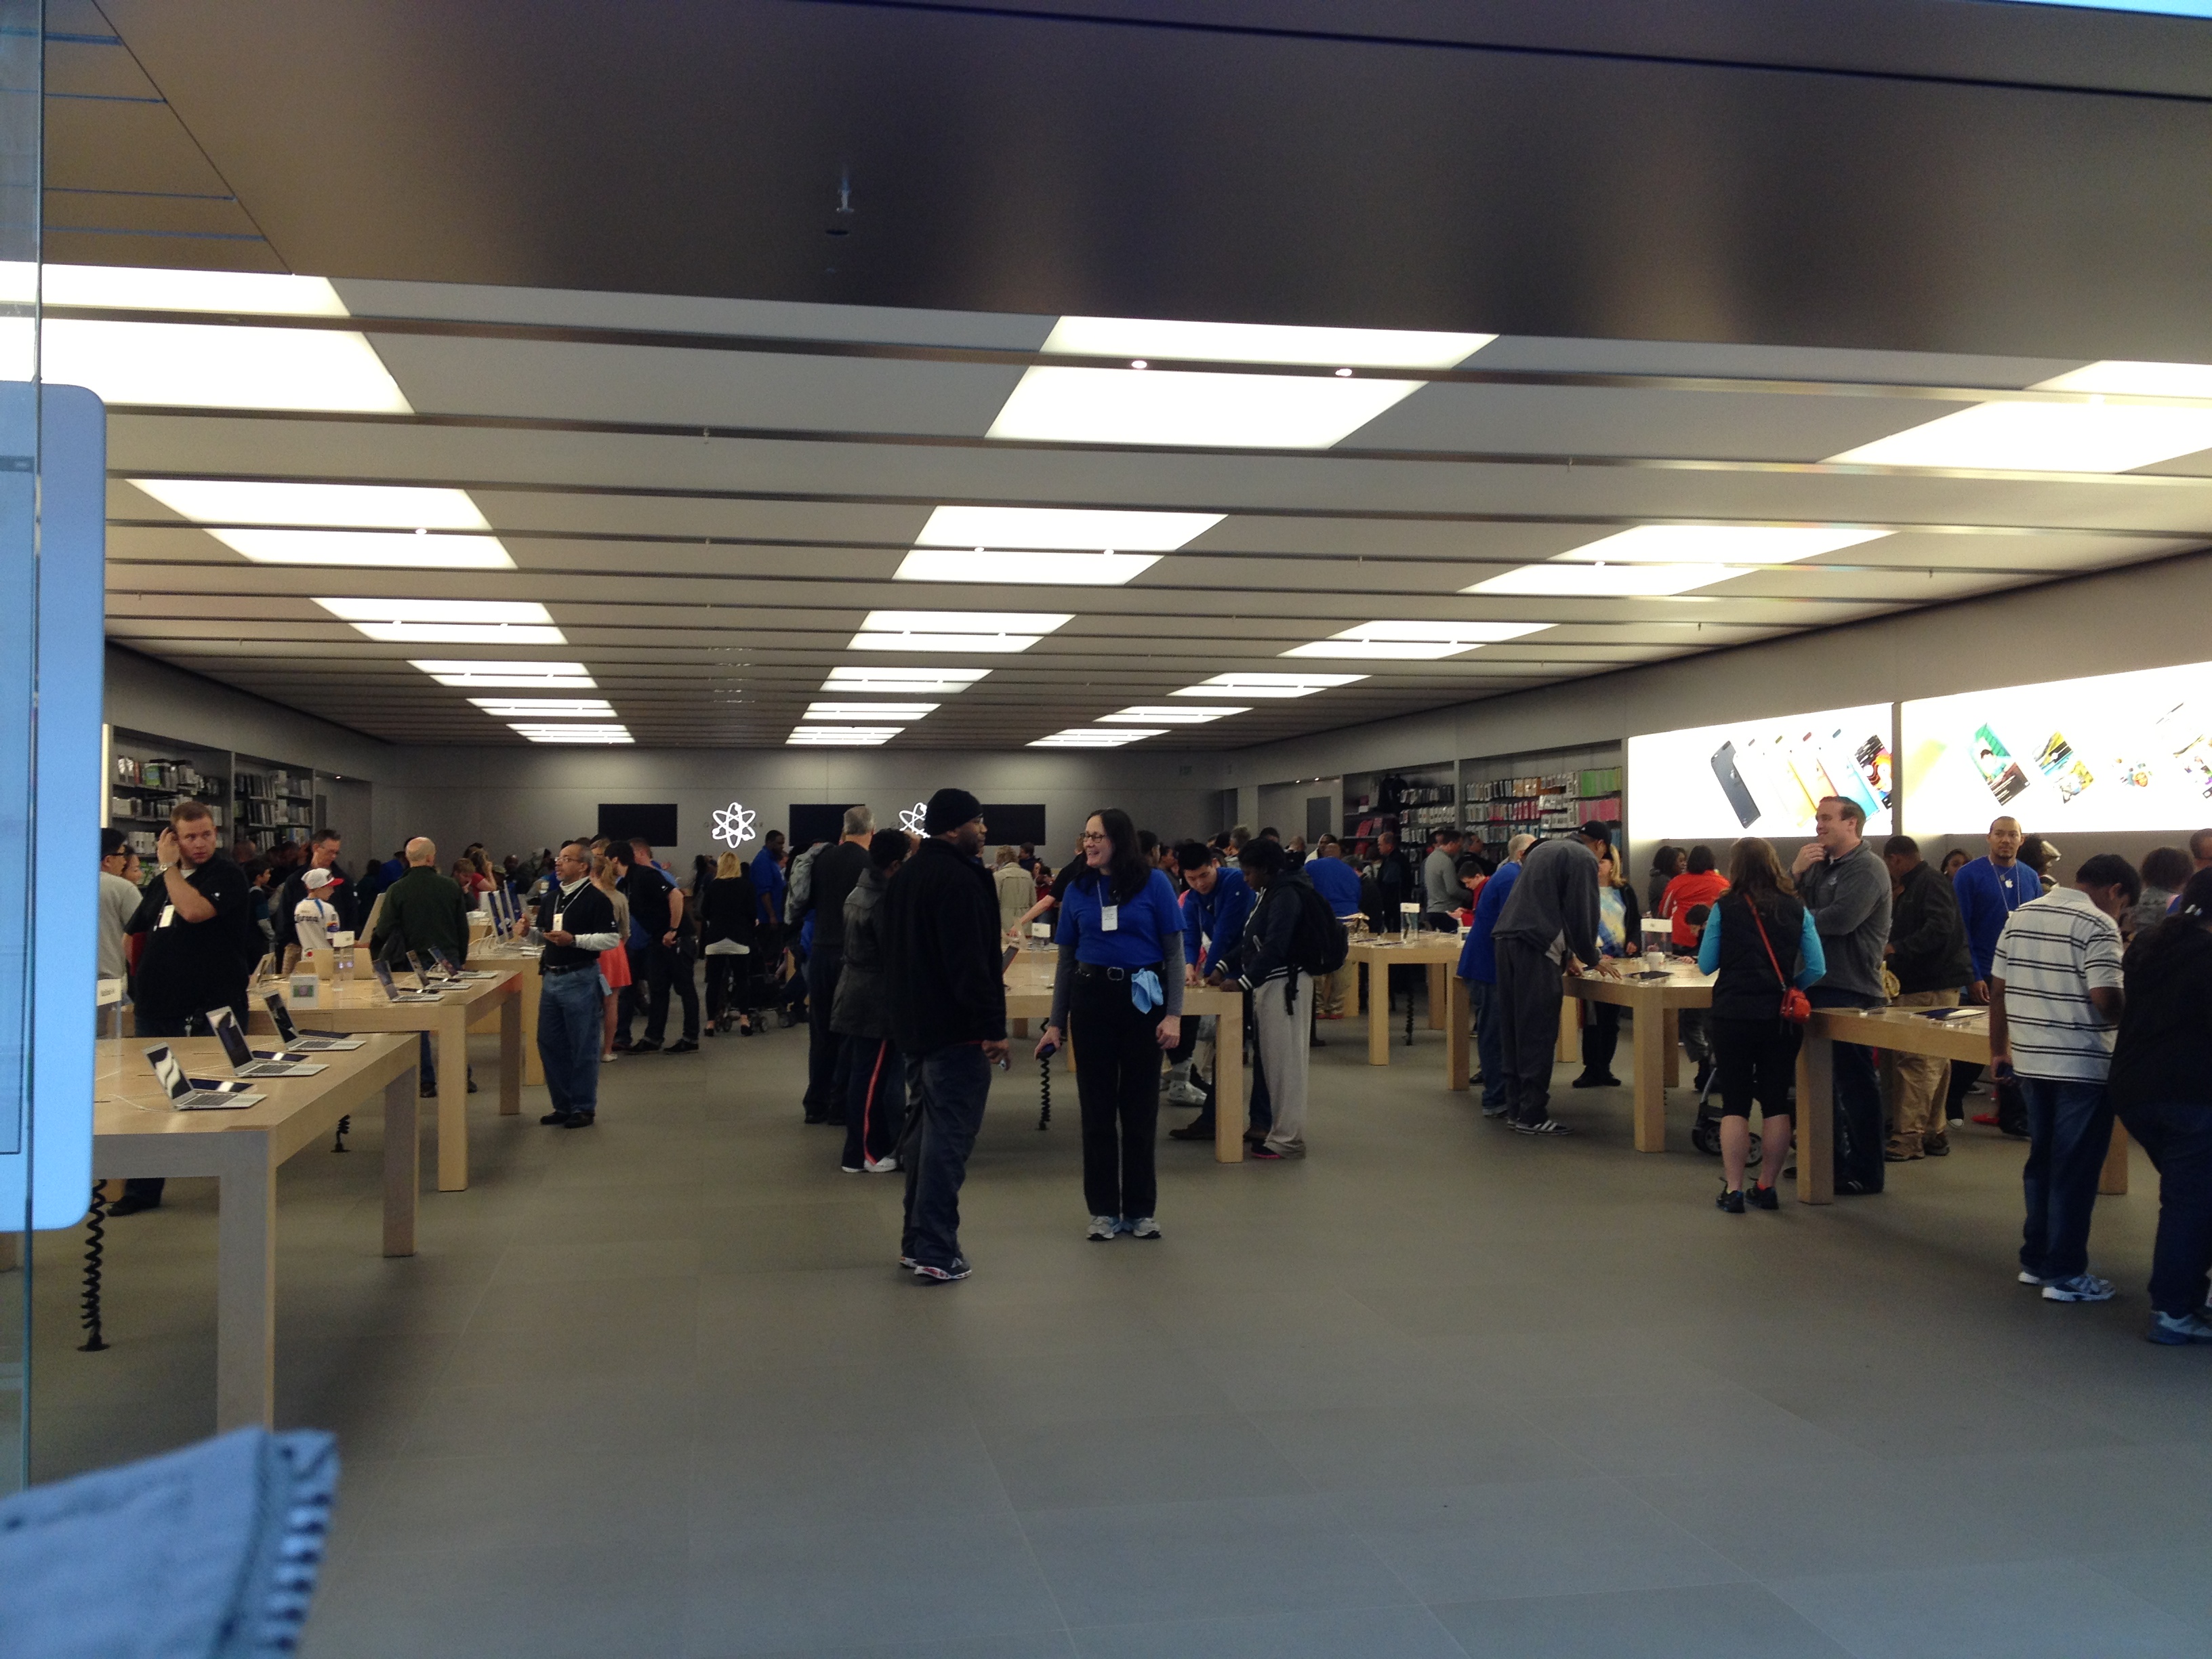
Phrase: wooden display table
pixel 1655 1004
pixel 495 955
pixel 359 1004
pixel 137 1133
pixel 1447 1008
pixel 1029 996
pixel 1897 1031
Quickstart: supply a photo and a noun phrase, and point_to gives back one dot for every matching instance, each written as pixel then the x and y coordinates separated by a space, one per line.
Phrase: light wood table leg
pixel 1650 1084
pixel 533 1063
pixel 2112 1179
pixel 11 1252
pixel 1229 1088
pixel 1378 1015
pixel 1457 1020
pixel 451 1038
pixel 402 1162
pixel 510 1055
pixel 1816 1121
pixel 1571 1029
pixel 1671 1022
pixel 1018 1026
pixel 1439 999
pixel 246 1284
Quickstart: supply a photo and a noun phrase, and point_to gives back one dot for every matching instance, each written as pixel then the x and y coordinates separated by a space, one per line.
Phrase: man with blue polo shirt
pixel 1478 966
pixel 1989 889
pixel 1337 884
pixel 1216 904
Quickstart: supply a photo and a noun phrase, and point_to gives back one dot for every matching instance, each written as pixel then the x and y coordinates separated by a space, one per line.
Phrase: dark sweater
pixel 836 870
pixel 2163 1053
pixel 421 910
pixel 1928 938
pixel 729 909
pixel 940 933
pixel 861 1007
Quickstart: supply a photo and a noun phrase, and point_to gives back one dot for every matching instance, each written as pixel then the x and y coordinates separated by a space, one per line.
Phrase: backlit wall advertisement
pixel 2114 752
pixel 1714 783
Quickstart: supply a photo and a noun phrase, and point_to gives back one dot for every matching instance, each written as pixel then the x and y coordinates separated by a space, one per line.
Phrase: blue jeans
pixel 945 1092
pixel 1490 1043
pixel 2177 1137
pixel 2069 1130
pixel 572 1014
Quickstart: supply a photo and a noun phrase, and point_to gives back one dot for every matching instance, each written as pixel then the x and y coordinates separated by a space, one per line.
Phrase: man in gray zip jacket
pixel 1552 913
pixel 1845 889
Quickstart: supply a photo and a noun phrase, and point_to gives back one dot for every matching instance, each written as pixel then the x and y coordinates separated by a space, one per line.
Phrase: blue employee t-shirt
pixel 1149 930
pixel 1337 881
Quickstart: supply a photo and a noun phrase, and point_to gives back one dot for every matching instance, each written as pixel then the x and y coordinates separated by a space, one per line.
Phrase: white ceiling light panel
pixel 1194 714
pixel 846 681
pixel 1089 737
pixel 1267 685
pixel 956 630
pixel 575 734
pixel 841 736
pixel 493 674
pixel 1067 528
pixel 320 506
pixel 450 621
pixel 1029 569
pixel 1657 561
pixel 139 287
pixel 1193 408
pixel 1585 581
pixel 546 708
pixel 1414 642
pixel 2085 437
pixel 867 711
pixel 215 365
pixel 368 549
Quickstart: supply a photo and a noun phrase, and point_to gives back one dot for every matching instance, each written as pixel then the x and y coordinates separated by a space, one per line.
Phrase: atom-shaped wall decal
pixel 733 824
pixel 911 818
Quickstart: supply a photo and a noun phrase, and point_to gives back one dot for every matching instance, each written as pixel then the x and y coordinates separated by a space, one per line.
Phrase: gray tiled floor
pixel 1438 1391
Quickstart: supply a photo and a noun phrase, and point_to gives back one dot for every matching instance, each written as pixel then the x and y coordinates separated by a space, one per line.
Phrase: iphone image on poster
pixel 2110 752
pixel 1760 777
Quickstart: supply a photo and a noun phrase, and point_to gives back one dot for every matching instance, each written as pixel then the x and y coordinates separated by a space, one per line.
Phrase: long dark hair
pixel 1126 870
pixel 1755 873
pixel 2156 944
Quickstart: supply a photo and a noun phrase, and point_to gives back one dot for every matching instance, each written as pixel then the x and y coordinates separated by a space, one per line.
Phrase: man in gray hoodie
pixel 1845 889
pixel 1551 914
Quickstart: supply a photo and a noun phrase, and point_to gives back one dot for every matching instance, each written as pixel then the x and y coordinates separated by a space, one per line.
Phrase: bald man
pixel 422 909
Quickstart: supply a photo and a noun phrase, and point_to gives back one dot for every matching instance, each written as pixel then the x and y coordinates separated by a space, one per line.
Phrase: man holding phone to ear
pixel 201 945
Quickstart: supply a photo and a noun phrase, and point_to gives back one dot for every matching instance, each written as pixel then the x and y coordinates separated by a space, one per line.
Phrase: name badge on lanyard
pixel 556 923
pixel 1109 918
pixel 168 915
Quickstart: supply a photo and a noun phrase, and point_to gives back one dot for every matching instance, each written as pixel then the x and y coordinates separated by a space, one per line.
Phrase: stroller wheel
pixel 1703 1138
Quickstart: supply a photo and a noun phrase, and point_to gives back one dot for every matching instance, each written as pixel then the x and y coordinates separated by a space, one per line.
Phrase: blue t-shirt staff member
pixel 1213 913
pixel 1120 941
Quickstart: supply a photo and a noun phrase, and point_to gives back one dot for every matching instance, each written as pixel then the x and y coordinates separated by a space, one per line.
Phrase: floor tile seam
pixel 1778 1588
pixel 1096 1626
pixel 1029 1544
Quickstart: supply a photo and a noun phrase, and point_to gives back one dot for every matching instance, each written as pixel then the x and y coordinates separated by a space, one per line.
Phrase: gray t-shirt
pixel 1440 881
pixel 119 903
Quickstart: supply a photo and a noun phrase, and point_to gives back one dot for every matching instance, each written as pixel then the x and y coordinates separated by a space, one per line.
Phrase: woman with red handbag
pixel 1761 944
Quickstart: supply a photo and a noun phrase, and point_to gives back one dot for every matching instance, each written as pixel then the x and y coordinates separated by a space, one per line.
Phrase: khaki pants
pixel 1916 1084
pixel 1329 991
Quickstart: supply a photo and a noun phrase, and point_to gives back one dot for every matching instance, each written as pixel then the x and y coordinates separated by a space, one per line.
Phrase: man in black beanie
pixel 947 998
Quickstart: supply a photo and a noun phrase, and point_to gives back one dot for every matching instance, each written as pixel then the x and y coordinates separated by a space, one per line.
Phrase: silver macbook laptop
pixel 305 1042
pixel 393 993
pixel 244 1061
pixel 454 970
pixel 191 1094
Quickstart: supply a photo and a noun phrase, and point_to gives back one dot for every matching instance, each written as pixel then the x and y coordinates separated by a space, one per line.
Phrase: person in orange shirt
pixel 1697 889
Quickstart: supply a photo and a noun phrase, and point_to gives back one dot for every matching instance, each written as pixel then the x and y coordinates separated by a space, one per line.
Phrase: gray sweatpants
pixel 1285 1055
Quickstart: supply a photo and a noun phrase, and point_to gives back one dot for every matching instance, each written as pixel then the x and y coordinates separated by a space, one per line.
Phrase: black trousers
pixel 1755 1060
pixel 1117 1082
pixel 825 1083
pixel 875 1100
pixel 2178 1138
pixel 1533 988
pixel 1601 1037
pixel 729 987
pixel 668 967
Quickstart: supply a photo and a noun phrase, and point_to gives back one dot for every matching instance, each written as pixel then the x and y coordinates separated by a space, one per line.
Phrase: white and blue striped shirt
pixel 2054 950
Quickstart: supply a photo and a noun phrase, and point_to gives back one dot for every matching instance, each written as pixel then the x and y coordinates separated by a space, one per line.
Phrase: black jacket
pixel 1928 935
pixel 2163 1054
pixel 1398 884
pixel 729 909
pixel 941 933
pixel 1264 952
pixel 836 869
pixel 860 1008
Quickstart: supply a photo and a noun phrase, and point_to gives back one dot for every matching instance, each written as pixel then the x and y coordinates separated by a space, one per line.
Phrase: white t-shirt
pixel 2053 952
pixel 119 903
pixel 315 918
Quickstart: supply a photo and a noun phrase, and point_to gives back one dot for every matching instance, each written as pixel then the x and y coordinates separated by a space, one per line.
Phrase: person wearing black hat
pixel 1549 924
pixel 947 997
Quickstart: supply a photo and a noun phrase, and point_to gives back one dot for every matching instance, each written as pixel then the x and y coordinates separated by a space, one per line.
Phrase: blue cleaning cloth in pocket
pixel 1144 990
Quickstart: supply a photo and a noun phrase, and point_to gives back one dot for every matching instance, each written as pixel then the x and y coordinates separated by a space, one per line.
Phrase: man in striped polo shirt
pixel 2055 1001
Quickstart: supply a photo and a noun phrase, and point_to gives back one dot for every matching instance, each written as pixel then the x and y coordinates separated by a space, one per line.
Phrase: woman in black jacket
pixel 875 1103
pixel 2161 1085
pixel 729 923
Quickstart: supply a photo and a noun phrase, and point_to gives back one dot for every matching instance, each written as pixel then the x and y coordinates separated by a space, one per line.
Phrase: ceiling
pixel 708 492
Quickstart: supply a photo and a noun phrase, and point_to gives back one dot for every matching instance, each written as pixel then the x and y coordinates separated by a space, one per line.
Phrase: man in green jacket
pixel 421 910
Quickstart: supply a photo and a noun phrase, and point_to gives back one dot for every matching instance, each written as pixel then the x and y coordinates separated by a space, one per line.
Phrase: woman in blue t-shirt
pixel 1121 982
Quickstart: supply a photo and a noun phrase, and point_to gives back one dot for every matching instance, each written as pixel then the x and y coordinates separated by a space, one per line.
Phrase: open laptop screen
pixel 281 1018
pixel 235 1048
pixel 172 1075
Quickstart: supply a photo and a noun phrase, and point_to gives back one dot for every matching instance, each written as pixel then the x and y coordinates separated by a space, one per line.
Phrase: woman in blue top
pixel 1119 928
pixel 1758 938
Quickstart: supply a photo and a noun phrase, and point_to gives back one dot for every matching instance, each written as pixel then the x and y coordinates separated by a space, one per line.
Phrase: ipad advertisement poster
pixel 2113 752
pixel 1760 777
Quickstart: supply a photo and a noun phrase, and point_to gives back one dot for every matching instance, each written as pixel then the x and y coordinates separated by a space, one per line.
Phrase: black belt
pixel 1108 971
pixel 544 972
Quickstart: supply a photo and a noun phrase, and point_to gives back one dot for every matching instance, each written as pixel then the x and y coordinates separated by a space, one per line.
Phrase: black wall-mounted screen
pixel 811 822
pixel 1010 824
pixel 654 822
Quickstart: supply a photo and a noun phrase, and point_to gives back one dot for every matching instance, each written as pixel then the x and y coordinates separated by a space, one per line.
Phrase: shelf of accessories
pixel 266 802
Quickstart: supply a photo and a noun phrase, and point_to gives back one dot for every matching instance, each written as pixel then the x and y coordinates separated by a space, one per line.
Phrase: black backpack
pixel 1320 943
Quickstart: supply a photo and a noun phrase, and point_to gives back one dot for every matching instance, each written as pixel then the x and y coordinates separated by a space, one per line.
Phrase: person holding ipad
pixel 1119 987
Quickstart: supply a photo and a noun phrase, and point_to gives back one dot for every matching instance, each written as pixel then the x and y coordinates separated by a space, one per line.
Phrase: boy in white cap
pixel 315 915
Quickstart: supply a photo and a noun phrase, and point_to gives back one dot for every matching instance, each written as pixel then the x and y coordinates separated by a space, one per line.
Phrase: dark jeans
pixel 1490 1043
pixel 1117 1081
pixel 1860 1131
pixel 668 967
pixel 1754 1060
pixel 1530 984
pixel 1601 1037
pixel 2178 1136
pixel 147 1189
pixel 875 1100
pixel 2069 1130
pixel 825 1077
pixel 947 1090
pixel 2012 1116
